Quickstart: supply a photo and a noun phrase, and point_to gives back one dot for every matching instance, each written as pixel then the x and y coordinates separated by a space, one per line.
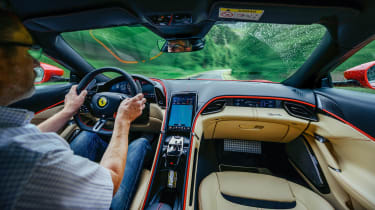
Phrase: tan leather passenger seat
pixel 241 190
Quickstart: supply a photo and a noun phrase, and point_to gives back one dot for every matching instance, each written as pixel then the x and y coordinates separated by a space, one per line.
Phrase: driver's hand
pixel 73 101
pixel 131 108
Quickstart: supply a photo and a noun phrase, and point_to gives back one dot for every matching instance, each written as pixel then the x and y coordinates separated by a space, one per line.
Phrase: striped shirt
pixel 39 170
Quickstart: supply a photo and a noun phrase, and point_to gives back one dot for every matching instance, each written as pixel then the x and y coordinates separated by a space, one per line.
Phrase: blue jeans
pixel 91 146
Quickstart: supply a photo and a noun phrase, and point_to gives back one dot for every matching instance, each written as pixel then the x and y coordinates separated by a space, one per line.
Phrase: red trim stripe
pixel 348 123
pixel 159 143
pixel 261 97
pixel 261 81
pixel 60 102
pixel 221 97
pixel 170 20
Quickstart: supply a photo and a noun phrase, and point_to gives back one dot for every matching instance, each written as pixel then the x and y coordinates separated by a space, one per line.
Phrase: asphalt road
pixel 215 74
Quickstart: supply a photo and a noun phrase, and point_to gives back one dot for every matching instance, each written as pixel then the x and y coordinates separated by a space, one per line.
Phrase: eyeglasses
pixel 34 52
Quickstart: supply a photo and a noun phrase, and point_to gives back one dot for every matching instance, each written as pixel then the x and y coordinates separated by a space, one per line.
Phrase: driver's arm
pixel 114 158
pixel 72 103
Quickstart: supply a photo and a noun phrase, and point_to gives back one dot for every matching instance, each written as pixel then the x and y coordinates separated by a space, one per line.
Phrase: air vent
pixel 214 107
pixel 160 98
pixel 300 111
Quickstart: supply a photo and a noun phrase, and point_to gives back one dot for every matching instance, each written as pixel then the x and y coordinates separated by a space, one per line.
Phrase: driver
pixel 175 46
pixel 39 169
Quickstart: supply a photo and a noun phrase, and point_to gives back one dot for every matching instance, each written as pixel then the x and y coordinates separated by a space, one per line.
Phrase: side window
pixel 50 72
pixel 358 72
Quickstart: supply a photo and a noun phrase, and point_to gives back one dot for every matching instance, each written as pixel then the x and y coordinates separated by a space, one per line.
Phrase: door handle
pixel 248 127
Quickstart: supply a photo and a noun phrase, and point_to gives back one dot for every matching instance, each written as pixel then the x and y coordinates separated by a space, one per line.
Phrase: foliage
pixel 251 50
pixel 364 55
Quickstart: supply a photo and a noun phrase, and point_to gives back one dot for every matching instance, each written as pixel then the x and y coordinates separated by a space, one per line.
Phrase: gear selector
pixel 172 156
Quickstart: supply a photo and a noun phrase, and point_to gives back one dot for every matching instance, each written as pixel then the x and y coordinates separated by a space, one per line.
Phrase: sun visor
pixel 277 13
pixel 100 18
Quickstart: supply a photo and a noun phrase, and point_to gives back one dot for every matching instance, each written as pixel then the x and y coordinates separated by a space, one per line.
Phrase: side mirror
pixel 364 74
pixel 48 73
pixel 181 45
pixel 39 71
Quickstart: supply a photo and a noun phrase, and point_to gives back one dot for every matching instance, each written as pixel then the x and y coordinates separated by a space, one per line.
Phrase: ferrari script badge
pixel 102 101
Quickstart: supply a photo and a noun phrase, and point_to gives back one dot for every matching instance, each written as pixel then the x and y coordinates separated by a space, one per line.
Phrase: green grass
pixel 358 89
pixel 364 55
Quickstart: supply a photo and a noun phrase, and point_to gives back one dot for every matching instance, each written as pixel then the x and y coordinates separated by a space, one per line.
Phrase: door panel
pixel 338 197
pixel 44 115
pixel 356 108
pixel 356 161
pixel 347 123
pixel 47 101
pixel 65 132
pixel 44 97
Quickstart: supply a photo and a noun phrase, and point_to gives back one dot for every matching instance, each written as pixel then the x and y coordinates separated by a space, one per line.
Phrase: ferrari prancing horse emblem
pixel 102 102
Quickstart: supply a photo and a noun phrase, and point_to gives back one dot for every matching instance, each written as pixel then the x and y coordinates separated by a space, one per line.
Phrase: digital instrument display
pixel 147 89
pixel 121 87
pixel 124 87
pixel 181 114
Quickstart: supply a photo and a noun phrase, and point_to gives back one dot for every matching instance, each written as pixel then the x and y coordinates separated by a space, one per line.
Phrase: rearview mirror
pixel 39 74
pixel 48 73
pixel 364 74
pixel 182 45
pixel 371 76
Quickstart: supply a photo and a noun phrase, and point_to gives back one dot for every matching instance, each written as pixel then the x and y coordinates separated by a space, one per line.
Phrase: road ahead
pixel 215 74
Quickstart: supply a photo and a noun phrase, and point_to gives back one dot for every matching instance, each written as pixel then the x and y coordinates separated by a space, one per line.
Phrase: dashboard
pixel 214 96
pixel 263 95
pixel 263 103
pixel 120 85
pixel 187 97
pixel 183 104
pixel 123 87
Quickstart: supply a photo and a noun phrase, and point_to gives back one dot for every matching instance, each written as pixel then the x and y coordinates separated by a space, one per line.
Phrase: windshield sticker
pixel 243 14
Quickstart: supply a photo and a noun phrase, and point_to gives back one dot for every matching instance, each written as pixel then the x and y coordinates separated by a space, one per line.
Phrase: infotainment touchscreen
pixel 181 113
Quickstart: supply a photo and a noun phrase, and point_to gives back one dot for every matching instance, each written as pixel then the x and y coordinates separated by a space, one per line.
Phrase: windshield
pixel 239 51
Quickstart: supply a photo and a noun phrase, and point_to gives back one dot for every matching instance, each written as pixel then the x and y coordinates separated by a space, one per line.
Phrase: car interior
pixel 224 144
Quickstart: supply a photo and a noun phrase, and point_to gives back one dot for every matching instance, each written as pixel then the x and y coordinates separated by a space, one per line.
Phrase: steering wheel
pixel 103 105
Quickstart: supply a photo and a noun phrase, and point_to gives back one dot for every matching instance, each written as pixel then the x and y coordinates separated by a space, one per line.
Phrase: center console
pixel 167 186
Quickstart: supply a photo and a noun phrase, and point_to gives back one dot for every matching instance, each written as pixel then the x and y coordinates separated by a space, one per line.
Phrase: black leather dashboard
pixel 208 89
